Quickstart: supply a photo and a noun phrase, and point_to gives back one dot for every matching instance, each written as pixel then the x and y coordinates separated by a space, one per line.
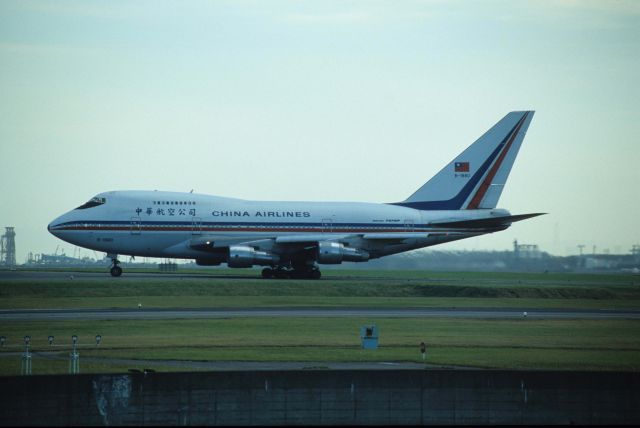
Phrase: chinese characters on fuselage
pixel 167 211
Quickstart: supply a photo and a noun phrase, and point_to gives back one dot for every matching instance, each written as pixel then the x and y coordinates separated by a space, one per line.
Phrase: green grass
pixel 605 344
pixel 337 288
pixel 315 301
pixel 488 343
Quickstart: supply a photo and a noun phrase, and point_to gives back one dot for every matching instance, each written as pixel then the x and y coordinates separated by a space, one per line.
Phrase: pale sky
pixel 324 100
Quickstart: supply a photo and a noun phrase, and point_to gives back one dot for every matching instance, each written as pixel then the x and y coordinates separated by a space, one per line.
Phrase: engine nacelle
pixel 333 253
pixel 241 256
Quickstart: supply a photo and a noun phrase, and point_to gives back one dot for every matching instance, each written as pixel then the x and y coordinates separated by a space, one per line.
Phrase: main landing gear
pixel 115 269
pixel 282 272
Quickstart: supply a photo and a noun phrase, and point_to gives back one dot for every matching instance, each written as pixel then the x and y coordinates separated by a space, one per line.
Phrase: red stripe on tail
pixel 482 190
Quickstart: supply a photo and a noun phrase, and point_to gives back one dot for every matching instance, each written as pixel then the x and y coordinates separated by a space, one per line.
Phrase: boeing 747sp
pixel 292 238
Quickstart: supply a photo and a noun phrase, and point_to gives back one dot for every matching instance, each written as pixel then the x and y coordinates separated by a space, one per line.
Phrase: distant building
pixel 597 263
pixel 8 248
pixel 62 260
pixel 526 251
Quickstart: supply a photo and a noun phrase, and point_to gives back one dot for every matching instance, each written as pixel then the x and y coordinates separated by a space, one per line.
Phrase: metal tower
pixel 8 248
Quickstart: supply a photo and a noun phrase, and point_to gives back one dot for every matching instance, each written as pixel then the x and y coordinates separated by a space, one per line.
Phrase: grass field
pixel 495 343
pixel 337 288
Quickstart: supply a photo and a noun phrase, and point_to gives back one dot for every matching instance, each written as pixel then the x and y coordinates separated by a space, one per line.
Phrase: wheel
pixel 267 273
pixel 315 274
pixel 116 271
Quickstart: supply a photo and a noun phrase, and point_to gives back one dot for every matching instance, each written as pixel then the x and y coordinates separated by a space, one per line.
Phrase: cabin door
pixel 327 225
pixel 196 226
pixel 409 226
pixel 136 225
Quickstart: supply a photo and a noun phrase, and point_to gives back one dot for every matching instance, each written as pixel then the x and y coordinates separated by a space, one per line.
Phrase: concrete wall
pixel 404 397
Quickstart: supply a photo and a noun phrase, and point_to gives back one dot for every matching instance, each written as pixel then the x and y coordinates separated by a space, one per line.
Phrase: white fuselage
pixel 292 237
pixel 169 224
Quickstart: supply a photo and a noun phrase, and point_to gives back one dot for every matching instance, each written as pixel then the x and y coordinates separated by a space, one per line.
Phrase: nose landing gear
pixel 115 269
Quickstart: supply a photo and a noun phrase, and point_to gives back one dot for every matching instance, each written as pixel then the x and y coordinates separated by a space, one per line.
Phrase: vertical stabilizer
pixel 476 177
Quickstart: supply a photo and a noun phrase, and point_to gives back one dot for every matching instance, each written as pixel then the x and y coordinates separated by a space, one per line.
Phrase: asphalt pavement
pixel 7 315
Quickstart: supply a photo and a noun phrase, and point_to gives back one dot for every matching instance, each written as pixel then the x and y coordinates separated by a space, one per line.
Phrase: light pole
pixel 26 357
pixel 74 360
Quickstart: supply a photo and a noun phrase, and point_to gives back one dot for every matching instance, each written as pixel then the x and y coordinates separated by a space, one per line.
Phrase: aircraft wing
pixel 394 236
pixel 340 238
pixel 311 238
pixel 207 243
pixel 212 244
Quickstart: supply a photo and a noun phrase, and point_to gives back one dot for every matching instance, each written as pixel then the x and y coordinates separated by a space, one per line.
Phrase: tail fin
pixel 476 177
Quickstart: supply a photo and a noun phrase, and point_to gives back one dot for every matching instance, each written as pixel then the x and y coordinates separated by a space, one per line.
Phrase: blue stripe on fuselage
pixel 230 223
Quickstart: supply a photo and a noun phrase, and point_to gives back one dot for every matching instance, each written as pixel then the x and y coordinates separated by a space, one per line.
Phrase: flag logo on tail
pixel 461 167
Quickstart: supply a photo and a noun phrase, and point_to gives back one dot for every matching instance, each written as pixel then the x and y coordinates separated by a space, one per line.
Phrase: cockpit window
pixel 93 202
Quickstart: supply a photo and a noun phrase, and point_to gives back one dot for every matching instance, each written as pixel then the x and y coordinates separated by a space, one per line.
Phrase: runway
pixel 243 365
pixel 200 313
pixel 183 275
pixel 12 275
pixel 186 274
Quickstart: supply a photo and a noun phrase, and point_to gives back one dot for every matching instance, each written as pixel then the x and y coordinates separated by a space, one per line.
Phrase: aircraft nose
pixel 53 226
pixel 50 227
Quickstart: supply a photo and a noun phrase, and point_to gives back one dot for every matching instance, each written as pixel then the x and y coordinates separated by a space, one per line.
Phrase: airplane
pixel 292 238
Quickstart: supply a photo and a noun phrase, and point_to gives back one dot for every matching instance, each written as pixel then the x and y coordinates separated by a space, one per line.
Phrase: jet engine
pixel 241 256
pixel 333 253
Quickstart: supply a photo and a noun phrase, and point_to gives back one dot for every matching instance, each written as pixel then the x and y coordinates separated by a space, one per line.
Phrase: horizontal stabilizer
pixel 483 223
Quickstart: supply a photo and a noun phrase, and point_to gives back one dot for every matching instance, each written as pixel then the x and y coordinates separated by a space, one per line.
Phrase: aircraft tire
pixel 267 273
pixel 315 274
pixel 116 271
